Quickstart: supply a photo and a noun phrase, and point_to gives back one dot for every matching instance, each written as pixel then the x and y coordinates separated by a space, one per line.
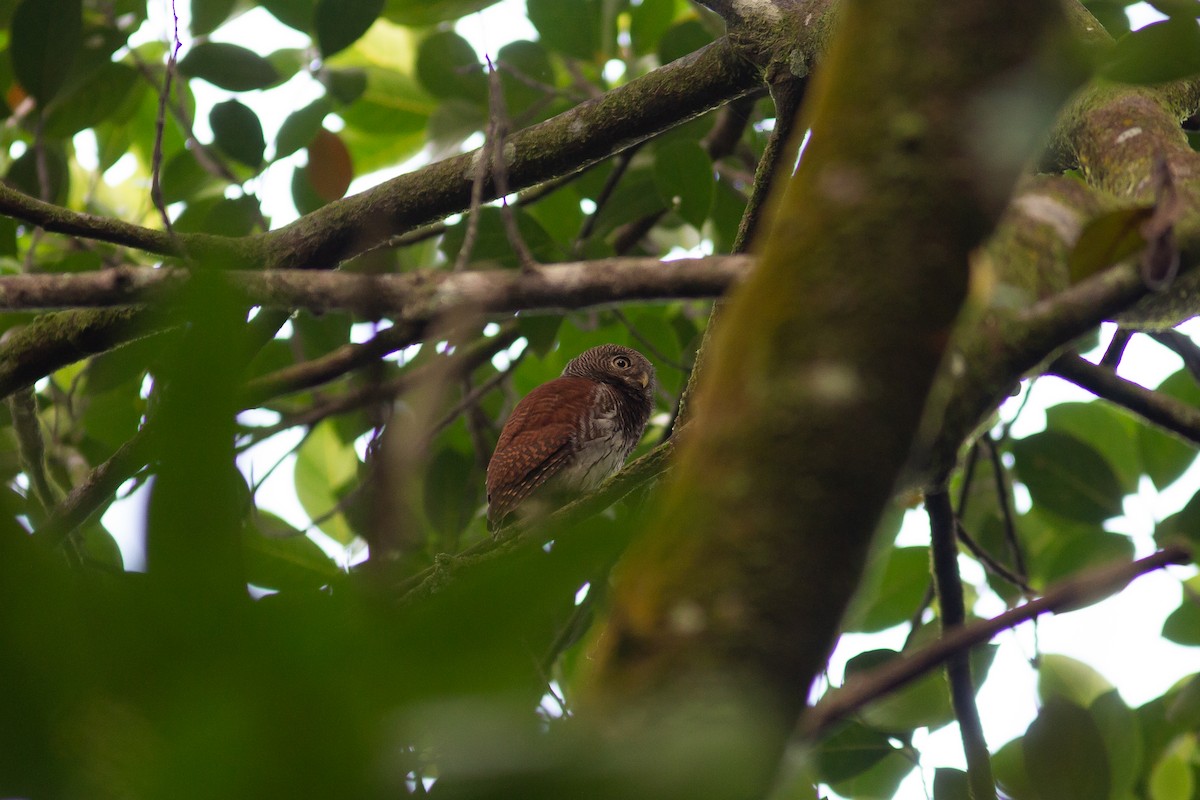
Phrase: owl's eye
pixel 621 362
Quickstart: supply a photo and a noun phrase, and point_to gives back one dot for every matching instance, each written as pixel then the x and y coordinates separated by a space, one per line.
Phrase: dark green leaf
pixel 950 784
pixel 1064 754
pixel 237 132
pixel 1189 9
pixel 1112 432
pixel 417 13
pixel 325 469
pixel 207 15
pixel 890 596
pixel 301 126
pixel 340 23
pixel 1174 776
pixel 452 493
pixel 1122 741
pixel 183 179
pixel 1165 455
pixel 1111 14
pixel 683 173
pixel 345 85
pixel 220 215
pixel 1106 240
pixel 448 68
pixel 679 40
pixel 1067 477
pixel 540 330
pixel 296 14
pixel 575 29
pixel 304 195
pixel 45 36
pixel 852 749
pixel 648 22
pixel 523 65
pixel 23 174
pixel 280 557
pixel 1159 52
pixel 228 66
pixel 1008 765
pixel 101 547
pixel 492 244
pixel 1182 625
pixel 90 101
pixel 1182 525
pixel 1064 678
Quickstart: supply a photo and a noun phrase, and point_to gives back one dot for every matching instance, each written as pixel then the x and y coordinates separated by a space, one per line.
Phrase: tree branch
pixel 1078 592
pixel 948 582
pixel 411 296
pixel 1157 408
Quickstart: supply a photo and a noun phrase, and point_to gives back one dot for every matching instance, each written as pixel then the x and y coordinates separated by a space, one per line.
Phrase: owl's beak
pixel 644 379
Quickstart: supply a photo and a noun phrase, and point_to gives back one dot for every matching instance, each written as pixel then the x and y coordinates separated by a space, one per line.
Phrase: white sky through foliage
pixel 1121 637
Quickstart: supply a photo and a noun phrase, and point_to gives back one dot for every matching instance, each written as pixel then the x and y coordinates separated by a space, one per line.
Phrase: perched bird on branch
pixel 570 434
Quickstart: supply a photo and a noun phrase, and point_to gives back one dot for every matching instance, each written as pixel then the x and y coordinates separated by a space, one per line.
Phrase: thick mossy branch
pixel 571 141
pixel 821 368
pixel 55 340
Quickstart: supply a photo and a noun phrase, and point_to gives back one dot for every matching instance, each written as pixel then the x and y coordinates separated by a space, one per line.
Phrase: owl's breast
pixel 602 444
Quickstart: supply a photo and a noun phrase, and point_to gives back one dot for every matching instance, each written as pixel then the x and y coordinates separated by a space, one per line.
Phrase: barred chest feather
pixel 603 441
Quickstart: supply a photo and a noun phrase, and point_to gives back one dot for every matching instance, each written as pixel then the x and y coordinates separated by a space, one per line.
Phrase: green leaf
pixel 852 749
pixel 207 15
pixel 452 492
pixel 238 132
pixel 683 173
pixel 521 63
pixel 1177 8
pixel 1107 240
pixel 492 245
pixel 46 35
pixel 1008 765
pixel 448 68
pixel 1182 625
pixel 278 556
pixel 575 29
pixel 890 596
pixel 1165 455
pixel 648 22
pixel 1111 431
pixel 417 13
pixel 301 126
pixel 101 547
pixel 183 179
pixel 1067 477
pixel 1064 678
pixel 326 468
pixel 88 102
pixel 1064 754
pixel 23 174
pixel 340 23
pixel 950 784
pixel 1173 776
pixel 220 215
pixel 297 14
pixel 229 67
pixel 1182 525
pixel 682 39
pixel 1160 52
pixel 1122 741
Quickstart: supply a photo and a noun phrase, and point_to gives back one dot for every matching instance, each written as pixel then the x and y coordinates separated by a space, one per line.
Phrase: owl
pixel 570 434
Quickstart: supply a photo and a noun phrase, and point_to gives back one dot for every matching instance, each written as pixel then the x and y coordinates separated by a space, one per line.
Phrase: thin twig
pixel 1157 408
pixel 497 130
pixel 1007 517
pixel 160 125
pixel 942 524
pixel 989 563
pixel 782 143
pixel 1183 346
pixel 1072 594
pixel 1116 348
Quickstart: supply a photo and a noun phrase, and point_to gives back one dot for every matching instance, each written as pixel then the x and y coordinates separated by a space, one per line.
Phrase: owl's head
pixel 615 364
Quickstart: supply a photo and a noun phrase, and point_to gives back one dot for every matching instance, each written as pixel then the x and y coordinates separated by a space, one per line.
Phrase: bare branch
pixel 410 297
pixel 1078 592
pixel 1162 410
